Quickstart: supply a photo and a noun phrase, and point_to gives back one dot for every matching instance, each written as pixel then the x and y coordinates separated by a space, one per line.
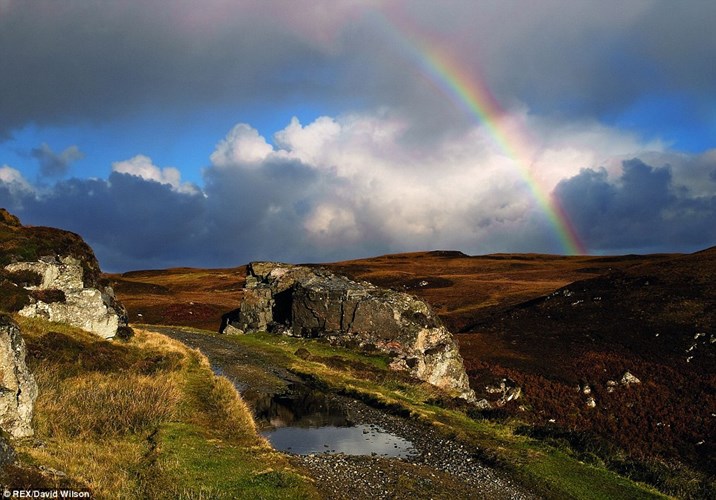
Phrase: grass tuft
pixel 103 404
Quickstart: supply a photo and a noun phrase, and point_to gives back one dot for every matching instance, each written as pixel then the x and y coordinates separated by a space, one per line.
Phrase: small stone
pixel 628 379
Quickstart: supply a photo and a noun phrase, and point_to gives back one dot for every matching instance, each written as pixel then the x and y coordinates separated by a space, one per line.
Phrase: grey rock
pixel 507 389
pixel 93 309
pixel 483 404
pixel 628 379
pixel 18 389
pixel 315 303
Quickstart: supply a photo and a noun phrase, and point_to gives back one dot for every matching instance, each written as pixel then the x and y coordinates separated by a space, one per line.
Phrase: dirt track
pixel 440 468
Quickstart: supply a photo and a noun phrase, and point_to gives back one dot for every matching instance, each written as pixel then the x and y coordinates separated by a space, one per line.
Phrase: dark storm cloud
pixel 95 60
pixel 243 214
pixel 643 210
pixel 126 219
pixel 55 164
pixel 64 61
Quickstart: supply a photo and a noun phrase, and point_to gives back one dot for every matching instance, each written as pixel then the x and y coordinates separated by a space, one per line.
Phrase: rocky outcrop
pixel 312 302
pixel 18 389
pixel 62 296
pixel 53 274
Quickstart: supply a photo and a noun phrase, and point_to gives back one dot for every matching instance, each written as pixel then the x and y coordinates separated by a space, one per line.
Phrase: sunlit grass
pixel 148 419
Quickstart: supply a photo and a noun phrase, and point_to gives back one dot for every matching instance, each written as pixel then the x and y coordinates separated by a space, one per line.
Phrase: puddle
pixel 355 440
pixel 305 422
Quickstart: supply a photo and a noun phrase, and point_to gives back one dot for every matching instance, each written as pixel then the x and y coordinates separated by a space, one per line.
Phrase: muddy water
pixel 304 421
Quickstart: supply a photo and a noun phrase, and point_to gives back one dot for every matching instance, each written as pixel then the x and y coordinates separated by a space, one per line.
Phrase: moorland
pixel 565 330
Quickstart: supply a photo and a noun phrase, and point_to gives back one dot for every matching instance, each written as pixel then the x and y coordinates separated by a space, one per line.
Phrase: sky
pixel 209 134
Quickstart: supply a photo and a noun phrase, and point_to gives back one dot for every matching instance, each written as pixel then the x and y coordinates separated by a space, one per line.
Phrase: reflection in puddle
pixel 305 421
pixel 356 440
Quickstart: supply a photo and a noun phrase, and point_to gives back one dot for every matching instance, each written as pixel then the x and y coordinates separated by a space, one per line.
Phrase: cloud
pixel 242 145
pixel 142 166
pixel 351 186
pixel 65 62
pixel 129 221
pixel 13 180
pixel 91 61
pixel 642 210
pixel 55 164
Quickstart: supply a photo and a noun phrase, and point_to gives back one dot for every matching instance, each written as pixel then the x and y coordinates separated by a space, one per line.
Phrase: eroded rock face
pixel 92 309
pixel 18 389
pixel 313 302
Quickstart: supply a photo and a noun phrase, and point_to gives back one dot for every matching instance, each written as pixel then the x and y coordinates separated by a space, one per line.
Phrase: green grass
pixel 207 446
pixel 267 344
pixel 199 466
pixel 562 476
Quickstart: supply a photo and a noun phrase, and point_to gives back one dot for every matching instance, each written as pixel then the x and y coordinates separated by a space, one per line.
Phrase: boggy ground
pixel 440 467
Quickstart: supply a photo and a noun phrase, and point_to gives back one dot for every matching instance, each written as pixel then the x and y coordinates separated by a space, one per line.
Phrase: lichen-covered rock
pixel 312 302
pixel 18 389
pixel 90 308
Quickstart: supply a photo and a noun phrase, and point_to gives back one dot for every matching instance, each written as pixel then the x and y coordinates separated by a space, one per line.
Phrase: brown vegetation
pixel 183 296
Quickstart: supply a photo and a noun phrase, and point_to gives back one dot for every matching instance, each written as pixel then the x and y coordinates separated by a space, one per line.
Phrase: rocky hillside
pixel 312 302
pixel 574 351
pixel 54 274
pixel 664 312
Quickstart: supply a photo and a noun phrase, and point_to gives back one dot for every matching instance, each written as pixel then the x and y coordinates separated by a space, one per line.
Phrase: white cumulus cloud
pixel 358 177
pixel 14 180
pixel 142 166
pixel 242 146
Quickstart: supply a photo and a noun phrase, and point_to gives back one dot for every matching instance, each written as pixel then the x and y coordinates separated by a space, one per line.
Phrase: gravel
pixel 440 468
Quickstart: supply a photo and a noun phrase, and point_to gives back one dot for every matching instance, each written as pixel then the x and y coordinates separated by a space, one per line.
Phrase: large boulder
pixel 18 389
pixel 313 302
pixel 62 296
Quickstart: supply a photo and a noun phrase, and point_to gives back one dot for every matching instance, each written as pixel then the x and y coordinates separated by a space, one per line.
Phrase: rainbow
pixel 471 94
